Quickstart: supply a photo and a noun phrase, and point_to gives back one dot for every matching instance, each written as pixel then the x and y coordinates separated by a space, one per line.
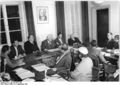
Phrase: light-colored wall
pixel 114 17
pixel 42 30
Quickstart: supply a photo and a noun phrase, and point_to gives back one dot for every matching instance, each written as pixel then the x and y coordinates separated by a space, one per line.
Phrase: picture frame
pixel 42 14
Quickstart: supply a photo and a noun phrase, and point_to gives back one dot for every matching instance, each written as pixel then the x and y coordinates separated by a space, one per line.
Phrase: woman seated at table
pixel 59 40
pixel 83 70
pixel 73 40
pixel 48 44
pixel 110 41
pixel 116 43
pixel 6 63
pixel 31 46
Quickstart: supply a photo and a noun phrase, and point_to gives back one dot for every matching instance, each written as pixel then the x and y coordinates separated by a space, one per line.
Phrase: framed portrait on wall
pixel 42 14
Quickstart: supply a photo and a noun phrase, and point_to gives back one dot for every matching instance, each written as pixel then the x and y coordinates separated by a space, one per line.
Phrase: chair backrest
pixel 109 69
pixel 95 69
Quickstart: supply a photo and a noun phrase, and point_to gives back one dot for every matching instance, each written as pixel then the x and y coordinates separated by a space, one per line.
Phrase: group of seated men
pixel 82 70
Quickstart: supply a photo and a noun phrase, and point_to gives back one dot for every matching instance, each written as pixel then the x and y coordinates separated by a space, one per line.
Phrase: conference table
pixel 112 56
pixel 34 68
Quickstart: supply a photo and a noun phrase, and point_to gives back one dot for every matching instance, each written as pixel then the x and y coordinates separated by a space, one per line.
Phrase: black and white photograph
pixel 64 41
pixel 42 14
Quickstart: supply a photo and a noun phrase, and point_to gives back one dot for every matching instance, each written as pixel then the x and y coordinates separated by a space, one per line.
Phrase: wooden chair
pixel 109 69
pixel 97 68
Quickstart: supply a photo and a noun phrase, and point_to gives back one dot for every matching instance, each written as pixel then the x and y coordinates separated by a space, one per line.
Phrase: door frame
pixel 94 19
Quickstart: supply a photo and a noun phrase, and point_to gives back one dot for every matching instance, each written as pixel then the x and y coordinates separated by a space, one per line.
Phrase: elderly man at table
pixel 48 44
pixel 63 63
pixel 83 71
pixel 96 52
pixel 73 40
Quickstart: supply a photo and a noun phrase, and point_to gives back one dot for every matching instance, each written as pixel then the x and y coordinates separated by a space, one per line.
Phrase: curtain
pixel 60 18
pixel 85 21
pixel 29 16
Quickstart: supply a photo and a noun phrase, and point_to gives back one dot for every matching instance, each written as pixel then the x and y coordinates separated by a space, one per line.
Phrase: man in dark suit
pixel 48 44
pixel 116 44
pixel 110 41
pixel 59 40
pixel 63 62
pixel 16 51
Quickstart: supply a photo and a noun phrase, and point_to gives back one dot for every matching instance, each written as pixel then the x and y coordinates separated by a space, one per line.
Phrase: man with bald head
pixel 48 43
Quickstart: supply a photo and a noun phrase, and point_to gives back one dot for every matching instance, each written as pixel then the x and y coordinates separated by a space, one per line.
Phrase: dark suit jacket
pixel 65 62
pixel 29 47
pixel 46 45
pixel 116 45
pixel 110 44
pixel 13 51
pixel 58 43
pixel 71 41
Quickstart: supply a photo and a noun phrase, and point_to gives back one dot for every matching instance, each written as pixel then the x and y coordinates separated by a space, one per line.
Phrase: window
pixel 2 28
pixel 11 25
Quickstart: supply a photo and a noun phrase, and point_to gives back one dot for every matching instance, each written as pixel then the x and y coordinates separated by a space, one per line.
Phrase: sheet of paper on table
pixel 107 54
pixel 40 67
pixel 28 80
pixel 25 75
pixel 54 78
pixel 20 70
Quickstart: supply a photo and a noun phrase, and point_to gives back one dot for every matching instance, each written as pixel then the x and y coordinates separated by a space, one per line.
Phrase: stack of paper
pixel 20 70
pixel 26 75
pixel 23 73
pixel 40 67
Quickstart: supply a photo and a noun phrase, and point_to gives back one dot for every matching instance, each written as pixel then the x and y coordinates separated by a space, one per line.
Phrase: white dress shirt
pixel 16 52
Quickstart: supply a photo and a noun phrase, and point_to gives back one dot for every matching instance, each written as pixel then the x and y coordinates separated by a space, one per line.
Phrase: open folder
pixel 23 73
pixel 40 67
